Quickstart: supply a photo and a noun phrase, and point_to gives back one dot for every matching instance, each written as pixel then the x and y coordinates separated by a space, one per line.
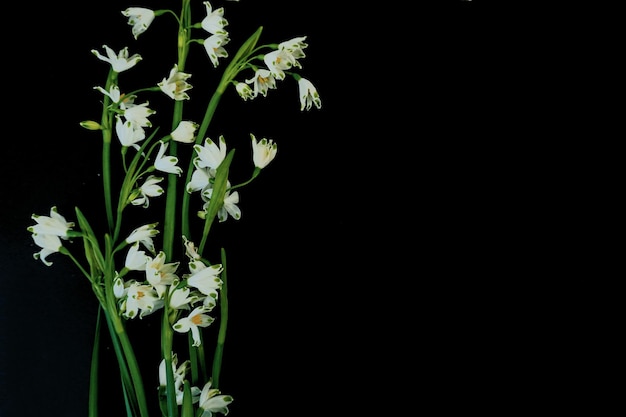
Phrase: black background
pixel 358 203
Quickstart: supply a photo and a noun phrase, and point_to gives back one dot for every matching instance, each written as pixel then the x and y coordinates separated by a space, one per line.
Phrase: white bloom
pixel 263 152
pixel 278 61
pixel 195 319
pixel 190 249
pixel 308 95
pixel 140 297
pixel 55 224
pixel 49 244
pixel 214 46
pixel 137 114
pixel 113 93
pixel 144 234
pixel 136 259
pixel 244 90
pixel 139 18
pixel 175 86
pixel 150 188
pixel 179 373
pixel 211 401
pixel 160 274
pixel 295 47
pixel 214 22
pixel 166 163
pixel 121 61
pixel 228 207
pixel 127 133
pixel 209 155
pixel 205 278
pixel 185 131
pixel 262 81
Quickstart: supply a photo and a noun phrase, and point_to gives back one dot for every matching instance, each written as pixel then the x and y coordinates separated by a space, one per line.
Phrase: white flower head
pixel 197 318
pixel 144 235
pixel 262 81
pixel 49 244
pixel 160 274
pixel 210 155
pixel 136 259
pixel 263 151
pixel 127 133
pixel 308 95
pixel 295 47
pixel 175 86
pixel 214 22
pixel 190 249
pixel 205 278
pixel 166 163
pixel 55 224
pixel 229 205
pixel 185 131
pixel 279 61
pixel 113 93
pixel 244 91
pixel 120 62
pixel 212 401
pixel 137 114
pixel 214 46
pixel 150 188
pixel 139 18
pixel 140 297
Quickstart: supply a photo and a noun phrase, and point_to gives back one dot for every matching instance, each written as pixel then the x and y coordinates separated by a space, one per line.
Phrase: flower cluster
pixel 167 269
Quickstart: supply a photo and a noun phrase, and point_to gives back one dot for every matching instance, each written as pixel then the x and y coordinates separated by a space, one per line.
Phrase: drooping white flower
pixel 185 131
pixel 263 151
pixel 142 299
pixel 160 274
pixel 197 318
pixel 120 62
pixel 212 401
pixel 137 114
pixel 55 224
pixel 181 297
pixel 127 133
pixel 295 47
pixel 278 62
pixel 175 86
pixel 179 373
pixel 150 188
pixel 210 155
pixel 200 179
pixel 262 81
pixel 139 18
pixel 205 278
pixel 190 249
pixel 113 93
pixel 49 244
pixel 244 91
pixel 308 95
pixel 136 259
pixel 214 46
pixel 214 22
pixel 166 163
pixel 144 234
pixel 229 205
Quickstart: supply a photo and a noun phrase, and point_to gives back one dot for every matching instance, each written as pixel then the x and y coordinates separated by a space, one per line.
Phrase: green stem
pixel 93 374
pixel 221 337
pixel 107 133
pixel 167 340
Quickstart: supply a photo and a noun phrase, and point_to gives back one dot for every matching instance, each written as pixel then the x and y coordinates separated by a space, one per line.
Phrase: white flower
pixel 190 249
pixel 278 61
pixel 160 274
pixel 144 234
pixel 263 152
pixel 214 22
pixel 137 114
pixel 121 61
pixel 139 18
pixel 244 90
pixel 182 298
pixel 175 85
pixel 262 81
pixel 55 224
pixel 150 188
pixel 228 207
pixel 205 278
pixel 136 259
pixel 127 133
pixel 200 179
pixel 179 373
pixel 166 163
pixel 140 297
pixel 211 401
pixel 209 155
pixel 308 95
pixel 185 131
pixel 214 46
pixel 195 319
pixel 113 93
pixel 49 244
pixel 295 47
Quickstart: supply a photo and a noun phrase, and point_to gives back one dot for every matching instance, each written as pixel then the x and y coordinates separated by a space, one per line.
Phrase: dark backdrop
pixel 332 232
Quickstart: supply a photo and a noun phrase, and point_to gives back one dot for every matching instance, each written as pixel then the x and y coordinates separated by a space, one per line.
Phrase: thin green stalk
pixel 106 150
pixel 221 337
pixel 93 373
pixel 167 340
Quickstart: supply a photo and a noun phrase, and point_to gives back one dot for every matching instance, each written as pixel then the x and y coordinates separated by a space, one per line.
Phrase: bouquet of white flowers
pixel 157 262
